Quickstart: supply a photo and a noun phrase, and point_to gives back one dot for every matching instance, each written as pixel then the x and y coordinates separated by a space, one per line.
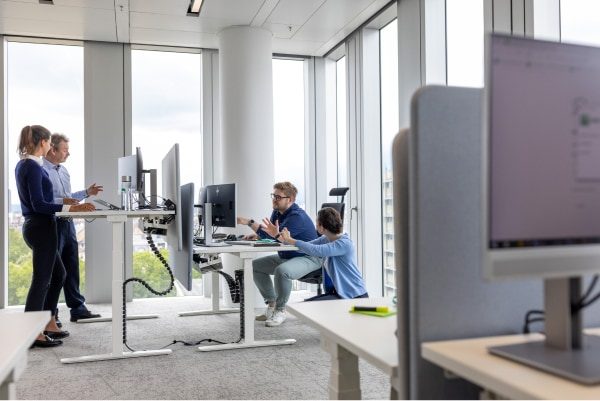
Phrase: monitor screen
pixel 181 260
pixel 201 202
pixel 139 178
pixel 223 200
pixel 171 189
pixel 544 144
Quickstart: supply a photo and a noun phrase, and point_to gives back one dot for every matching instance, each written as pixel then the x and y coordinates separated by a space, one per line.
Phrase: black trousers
pixel 69 254
pixel 39 233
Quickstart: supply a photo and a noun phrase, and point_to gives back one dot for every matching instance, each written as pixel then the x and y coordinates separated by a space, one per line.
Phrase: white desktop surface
pixel 368 337
pixel 19 330
pixel 107 213
pixel 471 360
pixel 241 249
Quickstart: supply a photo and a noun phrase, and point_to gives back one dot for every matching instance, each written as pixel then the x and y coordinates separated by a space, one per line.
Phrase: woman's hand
pixel 270 228
pixel 287 237
pixel 83 207
pixel 250 237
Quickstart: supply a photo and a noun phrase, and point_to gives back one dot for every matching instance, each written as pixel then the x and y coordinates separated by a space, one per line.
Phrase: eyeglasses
pixel 278 197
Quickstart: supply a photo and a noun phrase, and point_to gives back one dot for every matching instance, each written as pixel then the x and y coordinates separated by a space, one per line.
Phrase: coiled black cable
pixel 160 257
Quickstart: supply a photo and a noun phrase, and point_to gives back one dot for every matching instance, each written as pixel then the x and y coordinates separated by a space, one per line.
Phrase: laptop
pixel 106 204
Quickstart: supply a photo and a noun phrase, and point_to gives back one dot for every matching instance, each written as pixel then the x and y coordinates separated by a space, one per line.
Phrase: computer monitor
pixel 541 201
pixel 171 189
pixel 223 200
pixel 219 210
pixel 201 202
pixel 181 260
pixel 133 166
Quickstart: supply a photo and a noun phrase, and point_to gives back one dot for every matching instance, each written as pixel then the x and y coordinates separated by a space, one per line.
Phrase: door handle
pixel 354 209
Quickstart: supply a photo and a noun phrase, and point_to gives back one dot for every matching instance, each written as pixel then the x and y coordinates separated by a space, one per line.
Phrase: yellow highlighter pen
pixel 382 309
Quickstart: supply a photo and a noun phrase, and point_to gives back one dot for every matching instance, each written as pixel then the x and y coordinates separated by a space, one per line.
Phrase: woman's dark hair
pixel 330 219
pixel 30 138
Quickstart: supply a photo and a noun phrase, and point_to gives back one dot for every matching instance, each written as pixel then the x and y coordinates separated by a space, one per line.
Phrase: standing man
pixel 286 265
pixel 67 239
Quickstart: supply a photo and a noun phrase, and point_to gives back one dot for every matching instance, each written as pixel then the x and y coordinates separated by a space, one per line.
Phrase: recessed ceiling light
pixel 46 1
pixel 194 8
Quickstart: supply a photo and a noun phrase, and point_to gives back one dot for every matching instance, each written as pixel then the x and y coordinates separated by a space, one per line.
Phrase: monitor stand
pixel 566 352
pixel 207 217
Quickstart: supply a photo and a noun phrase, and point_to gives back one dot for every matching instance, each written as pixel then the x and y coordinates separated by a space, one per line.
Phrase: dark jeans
pixel 69 254
pixel 332 295
pixel 39 233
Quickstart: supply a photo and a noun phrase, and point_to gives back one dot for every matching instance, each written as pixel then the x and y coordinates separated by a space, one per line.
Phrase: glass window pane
pixel 389 128
pixel 165 111
pixel 53 99
pixel 580 21
pixel 464 37
pixel 342 135
pixel 288 124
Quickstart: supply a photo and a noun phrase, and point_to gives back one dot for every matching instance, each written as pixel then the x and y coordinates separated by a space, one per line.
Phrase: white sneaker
pixel 277 318
pixel 269 311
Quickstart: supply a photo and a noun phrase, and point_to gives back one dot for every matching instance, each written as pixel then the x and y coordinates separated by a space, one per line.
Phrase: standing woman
pixel 39 229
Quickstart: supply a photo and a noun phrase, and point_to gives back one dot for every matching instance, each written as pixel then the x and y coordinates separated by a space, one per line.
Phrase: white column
pixel 5 197
pixel 246 105
pixel 246 87
pixel 104 144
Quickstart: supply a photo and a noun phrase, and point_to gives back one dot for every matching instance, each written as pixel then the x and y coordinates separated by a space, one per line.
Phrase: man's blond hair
pixel 287 188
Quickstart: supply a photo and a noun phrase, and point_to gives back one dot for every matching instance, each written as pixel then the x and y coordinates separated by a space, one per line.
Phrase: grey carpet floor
pixel 299 371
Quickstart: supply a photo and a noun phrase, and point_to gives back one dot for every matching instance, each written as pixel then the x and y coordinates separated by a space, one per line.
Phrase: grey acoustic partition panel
pixel 440 282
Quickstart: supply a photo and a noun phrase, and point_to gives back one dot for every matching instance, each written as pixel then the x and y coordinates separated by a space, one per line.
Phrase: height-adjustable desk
pixel 117 218
pixel 247 253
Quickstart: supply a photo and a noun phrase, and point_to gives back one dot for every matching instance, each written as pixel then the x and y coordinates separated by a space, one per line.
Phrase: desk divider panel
pixel 442 293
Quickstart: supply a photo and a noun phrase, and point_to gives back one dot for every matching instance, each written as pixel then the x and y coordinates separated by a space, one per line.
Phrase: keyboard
pixel 253 243
pixel 106 204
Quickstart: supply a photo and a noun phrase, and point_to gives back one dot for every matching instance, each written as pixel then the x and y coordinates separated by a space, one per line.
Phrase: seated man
pixel 286 265
pixel 340 263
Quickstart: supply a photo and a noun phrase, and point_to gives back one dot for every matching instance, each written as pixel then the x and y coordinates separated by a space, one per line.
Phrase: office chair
pixel 316 276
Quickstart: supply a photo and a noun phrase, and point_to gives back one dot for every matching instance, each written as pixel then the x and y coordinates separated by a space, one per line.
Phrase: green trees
pixel 145 266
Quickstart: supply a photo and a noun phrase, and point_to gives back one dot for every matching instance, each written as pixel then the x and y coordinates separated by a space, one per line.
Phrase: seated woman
pixel 338 249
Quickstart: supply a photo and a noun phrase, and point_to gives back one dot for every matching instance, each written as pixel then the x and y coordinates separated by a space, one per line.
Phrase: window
pixel 165 111
pixel 288 124
pixel 579 21
pixel 388 40
pixel 53 99
pixel 342 135
pixel 464 36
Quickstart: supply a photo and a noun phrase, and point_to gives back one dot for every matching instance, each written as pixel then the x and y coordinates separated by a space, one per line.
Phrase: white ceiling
pixel 304 27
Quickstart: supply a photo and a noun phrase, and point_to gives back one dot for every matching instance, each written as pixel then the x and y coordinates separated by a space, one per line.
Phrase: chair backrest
pixel 337 206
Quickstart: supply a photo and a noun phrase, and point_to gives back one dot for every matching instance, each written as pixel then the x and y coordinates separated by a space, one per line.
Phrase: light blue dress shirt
pixel 340 263
pixel 61 183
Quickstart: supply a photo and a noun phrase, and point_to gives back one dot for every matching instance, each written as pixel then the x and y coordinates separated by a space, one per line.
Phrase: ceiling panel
pixel 330 18
pixel 173 38
pixel 294 12
pixel 177 23
pixel 309 27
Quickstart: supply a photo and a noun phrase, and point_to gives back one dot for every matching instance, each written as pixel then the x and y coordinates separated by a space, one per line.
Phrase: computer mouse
pixel 231 237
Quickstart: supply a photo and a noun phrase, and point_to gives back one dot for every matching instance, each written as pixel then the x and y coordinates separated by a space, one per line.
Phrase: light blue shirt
pixel 61 183
pixel 340 263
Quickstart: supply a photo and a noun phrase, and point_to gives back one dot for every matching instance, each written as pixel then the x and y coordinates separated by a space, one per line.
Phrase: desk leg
pixel 344 380
pixel 117 299
pixel 215 301
pixel 7 388
pixel 248 341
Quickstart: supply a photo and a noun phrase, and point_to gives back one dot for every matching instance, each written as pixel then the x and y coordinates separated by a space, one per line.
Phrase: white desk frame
pixel 19 330
pixel 216 308
pixel 117 218
pixel 501 377
pixel 247 254
pixel 349 336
